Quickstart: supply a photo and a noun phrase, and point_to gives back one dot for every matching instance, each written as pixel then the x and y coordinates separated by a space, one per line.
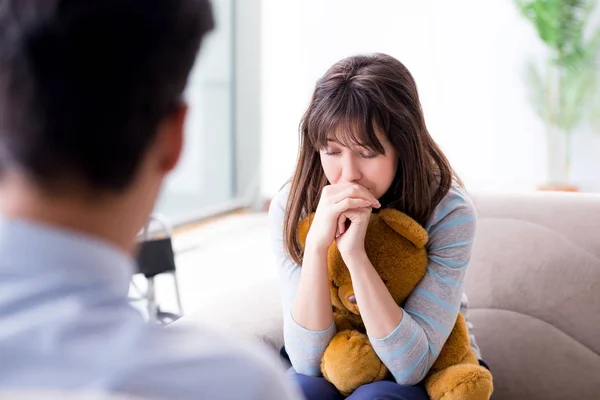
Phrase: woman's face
pixel 356 164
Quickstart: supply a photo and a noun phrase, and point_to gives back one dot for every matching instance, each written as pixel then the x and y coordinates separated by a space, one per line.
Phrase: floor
pixel 207 255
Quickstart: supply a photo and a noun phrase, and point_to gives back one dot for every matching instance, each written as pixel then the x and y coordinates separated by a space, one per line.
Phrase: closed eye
pixel 369 155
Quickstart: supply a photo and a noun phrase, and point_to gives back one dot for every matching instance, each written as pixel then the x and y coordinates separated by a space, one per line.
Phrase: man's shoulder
pixel 116 351
pixel 204 363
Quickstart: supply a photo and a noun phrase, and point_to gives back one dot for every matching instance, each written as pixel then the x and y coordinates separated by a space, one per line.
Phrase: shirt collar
pixel 29 249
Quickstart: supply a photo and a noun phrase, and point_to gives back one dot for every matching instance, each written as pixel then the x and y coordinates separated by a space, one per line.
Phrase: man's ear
pixel 171 137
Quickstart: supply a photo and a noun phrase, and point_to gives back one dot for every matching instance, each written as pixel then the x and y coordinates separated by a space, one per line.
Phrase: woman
pixel 365 146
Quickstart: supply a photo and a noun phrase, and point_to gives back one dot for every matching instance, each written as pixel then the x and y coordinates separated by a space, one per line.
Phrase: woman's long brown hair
pixel 355 97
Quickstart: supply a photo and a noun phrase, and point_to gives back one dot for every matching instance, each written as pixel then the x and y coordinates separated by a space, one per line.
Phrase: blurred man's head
pixel 90 99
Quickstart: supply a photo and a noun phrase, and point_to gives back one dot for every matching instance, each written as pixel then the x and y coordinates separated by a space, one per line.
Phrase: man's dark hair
pixel 84 84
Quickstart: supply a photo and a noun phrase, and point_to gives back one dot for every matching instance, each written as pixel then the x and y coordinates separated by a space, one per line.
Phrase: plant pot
pixel 558 188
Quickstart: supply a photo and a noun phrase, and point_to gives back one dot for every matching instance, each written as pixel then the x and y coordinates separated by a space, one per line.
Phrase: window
pixel 205 177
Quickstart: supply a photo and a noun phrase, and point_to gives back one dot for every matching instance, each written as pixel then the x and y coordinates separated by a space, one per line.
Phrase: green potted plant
pixel 564 87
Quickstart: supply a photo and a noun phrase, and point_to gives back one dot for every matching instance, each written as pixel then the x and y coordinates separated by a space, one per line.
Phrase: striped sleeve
pixel 430 312
pixel 464 310
pixel 304 347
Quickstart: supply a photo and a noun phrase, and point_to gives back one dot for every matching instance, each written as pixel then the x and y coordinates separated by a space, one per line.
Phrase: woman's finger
pixel 341 225
pixel 349 203
pixel 356 192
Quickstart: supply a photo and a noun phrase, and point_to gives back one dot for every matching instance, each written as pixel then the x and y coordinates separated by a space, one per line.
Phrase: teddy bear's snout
pixel 348 299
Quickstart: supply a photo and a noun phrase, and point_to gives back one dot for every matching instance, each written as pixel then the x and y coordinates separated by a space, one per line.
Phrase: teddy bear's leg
pixel 456 374
pixel 460 382
pixel 349 361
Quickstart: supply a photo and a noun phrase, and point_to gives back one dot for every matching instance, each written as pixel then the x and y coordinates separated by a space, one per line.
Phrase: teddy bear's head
pixel 395 245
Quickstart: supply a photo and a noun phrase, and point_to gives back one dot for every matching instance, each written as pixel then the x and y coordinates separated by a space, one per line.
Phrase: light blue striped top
pixel 430 312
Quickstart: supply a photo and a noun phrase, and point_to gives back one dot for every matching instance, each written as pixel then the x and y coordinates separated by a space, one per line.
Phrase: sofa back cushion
pixel 534 292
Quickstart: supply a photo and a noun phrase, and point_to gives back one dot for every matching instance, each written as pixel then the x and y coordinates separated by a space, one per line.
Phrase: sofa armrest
pixel 253 313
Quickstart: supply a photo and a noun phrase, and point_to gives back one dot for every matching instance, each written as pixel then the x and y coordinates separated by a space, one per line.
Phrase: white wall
pixel 468 59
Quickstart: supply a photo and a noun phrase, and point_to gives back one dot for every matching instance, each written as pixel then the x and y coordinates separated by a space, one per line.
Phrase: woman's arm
pixel 309 328
pixel 379 311
pixel 412 345
pixel 464 310
pixel 312 306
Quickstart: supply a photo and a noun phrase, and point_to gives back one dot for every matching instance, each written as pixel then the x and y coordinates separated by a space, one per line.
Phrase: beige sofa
pixel 534 291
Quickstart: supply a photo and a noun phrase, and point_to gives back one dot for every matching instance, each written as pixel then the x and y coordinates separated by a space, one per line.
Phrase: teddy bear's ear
pixel 405 226
pixel 303 228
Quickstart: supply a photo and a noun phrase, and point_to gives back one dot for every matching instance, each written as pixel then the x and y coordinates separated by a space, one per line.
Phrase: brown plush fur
pixel 395 245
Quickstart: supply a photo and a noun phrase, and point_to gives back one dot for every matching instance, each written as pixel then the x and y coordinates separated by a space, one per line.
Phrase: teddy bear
pixel 395 245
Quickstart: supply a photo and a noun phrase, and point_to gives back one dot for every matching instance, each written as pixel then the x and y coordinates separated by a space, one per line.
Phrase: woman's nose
pixel 350 171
